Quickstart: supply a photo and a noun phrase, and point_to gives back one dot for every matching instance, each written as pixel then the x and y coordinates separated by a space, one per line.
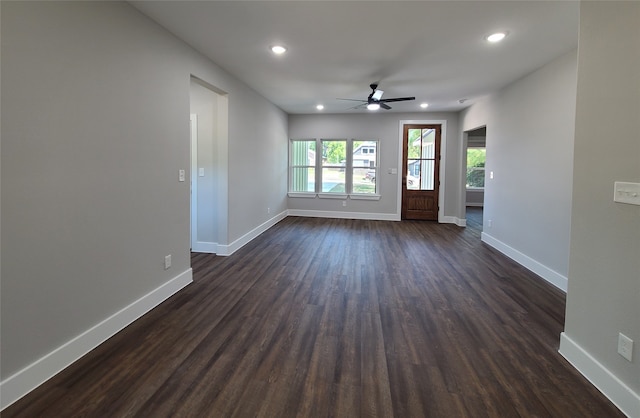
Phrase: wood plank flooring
pixel 338 318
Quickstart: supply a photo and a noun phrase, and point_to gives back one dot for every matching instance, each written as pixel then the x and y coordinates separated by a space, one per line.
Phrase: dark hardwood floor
pixel 338 318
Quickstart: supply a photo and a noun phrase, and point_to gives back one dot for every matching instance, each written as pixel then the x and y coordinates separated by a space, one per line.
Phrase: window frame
pixel 292 167
pixel 320 166
pixel 323 165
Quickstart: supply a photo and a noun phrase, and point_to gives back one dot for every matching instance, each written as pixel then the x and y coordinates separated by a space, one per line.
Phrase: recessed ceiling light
pixel 373 106
pixel 496 37
pixel 278 49
pixel 424 105
pixel 320 107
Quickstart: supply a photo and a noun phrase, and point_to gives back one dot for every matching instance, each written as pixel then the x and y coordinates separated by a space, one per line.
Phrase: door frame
pixel 443 161
pixel 193 198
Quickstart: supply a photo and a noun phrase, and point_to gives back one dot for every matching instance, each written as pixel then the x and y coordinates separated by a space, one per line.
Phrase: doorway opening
pixel 474 156
pixel 209 166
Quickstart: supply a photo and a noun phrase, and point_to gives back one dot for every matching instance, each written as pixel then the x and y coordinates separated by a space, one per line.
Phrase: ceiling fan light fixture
pixel 424 105
pixel 373 106
pixel 496 37
pixel 320 107
pixel 278 49
pixel 377 94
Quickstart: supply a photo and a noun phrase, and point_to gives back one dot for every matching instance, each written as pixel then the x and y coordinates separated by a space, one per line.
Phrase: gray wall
pixel 604 271
pixel 384 127
pixel 530 129
pixel 95 126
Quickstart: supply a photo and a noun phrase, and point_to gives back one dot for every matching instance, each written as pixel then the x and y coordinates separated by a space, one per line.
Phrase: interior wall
pixel 95 127
pixel 257 164
pixel 386 129
pixel 604 281
pixel 529 142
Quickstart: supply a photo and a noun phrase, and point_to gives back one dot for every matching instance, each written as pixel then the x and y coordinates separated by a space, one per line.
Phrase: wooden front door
pixel 421 172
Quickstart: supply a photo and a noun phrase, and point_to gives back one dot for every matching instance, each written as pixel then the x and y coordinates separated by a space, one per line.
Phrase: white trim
pixel 193 124
pixel 344 215
pixel 541 270
pixel 226 250
pixel 342 196
pixel 353 196
pixel 476 204
pixel 35 374
pixel 452 220
pixel 606 382
pixel 359 196
pixel 303 195
pixel 443 159
pixel 205 247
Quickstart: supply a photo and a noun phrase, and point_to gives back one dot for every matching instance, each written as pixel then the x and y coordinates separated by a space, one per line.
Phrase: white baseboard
pixel 32 376
pixel 613 388
pixel 344 215
pixel 367 216
pixel 541 270
pixel 226 250
pixel 205 247
pixel 452 220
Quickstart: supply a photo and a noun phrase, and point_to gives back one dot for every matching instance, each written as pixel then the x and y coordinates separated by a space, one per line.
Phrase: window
pixel 475 167
pixel 334 158
pixel 302 166
pixel 364 169
pixel 341 167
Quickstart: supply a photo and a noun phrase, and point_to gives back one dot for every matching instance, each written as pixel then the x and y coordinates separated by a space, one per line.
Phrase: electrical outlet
pixel 344 203
pixel 181 175
pixel 489 223
pixel 268 211
pixel 167 262
pixel 625 346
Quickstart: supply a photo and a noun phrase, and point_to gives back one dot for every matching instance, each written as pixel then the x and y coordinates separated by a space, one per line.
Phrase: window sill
pixel 303 195
pixel 475 189
pixel 332 196
pixel 364 196
pixel 341 196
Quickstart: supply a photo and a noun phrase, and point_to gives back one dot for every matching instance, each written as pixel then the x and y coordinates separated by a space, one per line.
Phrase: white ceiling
pixel 433 50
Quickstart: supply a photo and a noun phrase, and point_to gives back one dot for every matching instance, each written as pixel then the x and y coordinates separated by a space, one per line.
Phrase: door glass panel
pixel 421 159
pixel 428 143
pixel 413 175
pixel 413 143
pixel 426 181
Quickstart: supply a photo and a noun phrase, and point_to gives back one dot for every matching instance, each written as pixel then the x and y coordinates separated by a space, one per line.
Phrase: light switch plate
pixel 201 172
pixel 625 192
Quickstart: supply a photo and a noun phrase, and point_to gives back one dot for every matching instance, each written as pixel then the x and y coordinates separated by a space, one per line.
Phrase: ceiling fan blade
pixel 385 106
pixel 352 100
pixel 359 106
pixel 397 99
pixel 377 95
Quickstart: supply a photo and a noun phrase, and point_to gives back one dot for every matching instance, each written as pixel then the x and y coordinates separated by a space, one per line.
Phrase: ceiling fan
pixel 375 100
